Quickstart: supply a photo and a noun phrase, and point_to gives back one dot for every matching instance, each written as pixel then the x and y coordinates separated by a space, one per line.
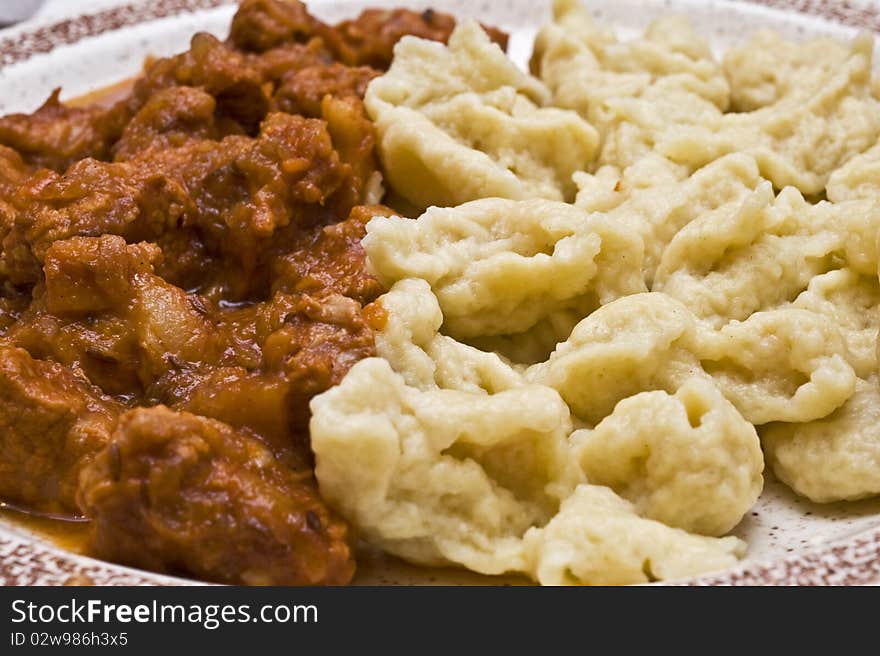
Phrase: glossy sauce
pixel 70 534
pixel 105 96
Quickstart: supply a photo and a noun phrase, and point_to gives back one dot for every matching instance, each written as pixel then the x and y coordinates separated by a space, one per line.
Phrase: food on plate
pixel 834 458
pixel 182 272
pixel 52 421
pixel 173 491
pixel 656 200
pixel 828 117
pixel 462 122
pixel 485 481
pixel 317 284
pixel 663 451
pixel 759 328
pixel 856 179
pixel 502 267
pixel 582 544
pixel 632 93
pixel 441 453
pixel 765 68
pixel 762 252
pixel 780 365
pixel 666 94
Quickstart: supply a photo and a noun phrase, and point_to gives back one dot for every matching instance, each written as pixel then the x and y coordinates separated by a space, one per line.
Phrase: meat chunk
pixel 223 200
pixel 368 40
pixel 52 422
pixel 135 336
pixel 171 118
pixel 260 25
pixel 227 75
pixel 13 304
pixel 13 173
pixel 55 136
pixel 301 91
pixel 180 493
pixel 91 198
pixel 332 258
pixel 103 310
pixel 290 349
pixel 274 64
pixel 91 275
pixel 13 170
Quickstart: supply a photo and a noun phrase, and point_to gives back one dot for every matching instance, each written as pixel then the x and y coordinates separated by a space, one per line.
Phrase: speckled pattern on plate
pixel 792 542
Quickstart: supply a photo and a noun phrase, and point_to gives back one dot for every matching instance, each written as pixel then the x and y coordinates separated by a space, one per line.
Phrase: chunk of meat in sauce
pixel 177 492
pixel 285 351
pixel 321 339
pixel 277 356
pixel 93 198
pixel 52 422
pixel 13 303
pixel 367 40
pixel 224 200
pixel 229 76
pixel 301 91
pixel 175 117
pixel 55 136
pixel 137 337
pixel 103 310
pixel 13 173
pixel 332 258
pixel 260 25
pixel 275 63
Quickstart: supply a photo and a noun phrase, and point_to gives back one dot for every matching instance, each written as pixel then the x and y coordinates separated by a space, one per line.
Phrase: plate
pixel 791 541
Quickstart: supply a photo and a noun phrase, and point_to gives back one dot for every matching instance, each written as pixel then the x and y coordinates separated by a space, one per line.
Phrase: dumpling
pixel 687 459
pixel 502 267
pixel 462 122
pixel 632 92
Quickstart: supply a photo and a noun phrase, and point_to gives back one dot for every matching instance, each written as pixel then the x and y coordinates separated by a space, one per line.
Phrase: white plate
pixel 790 540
